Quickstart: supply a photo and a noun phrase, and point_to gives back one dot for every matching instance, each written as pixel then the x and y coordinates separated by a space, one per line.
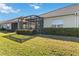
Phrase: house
pixel 67 17
pixel 27 23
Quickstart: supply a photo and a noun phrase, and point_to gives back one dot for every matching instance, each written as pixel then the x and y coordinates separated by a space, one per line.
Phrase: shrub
pixel 26 32
pixel 6 30
pixel 2 29
pixel 61 31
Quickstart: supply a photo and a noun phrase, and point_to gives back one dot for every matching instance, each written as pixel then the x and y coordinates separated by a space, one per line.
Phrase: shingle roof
pixel 62 11
pixel 16 19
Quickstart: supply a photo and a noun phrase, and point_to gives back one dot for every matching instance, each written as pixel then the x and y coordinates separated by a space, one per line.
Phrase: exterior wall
pixel 68 21
pixel 6 26
pixel 0 26
pixel 77 21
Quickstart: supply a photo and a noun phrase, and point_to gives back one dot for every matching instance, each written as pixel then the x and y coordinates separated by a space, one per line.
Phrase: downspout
pixel 76 19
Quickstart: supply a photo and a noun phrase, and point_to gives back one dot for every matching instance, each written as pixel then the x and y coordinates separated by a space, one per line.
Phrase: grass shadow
pixel 64 38
pixel 19 40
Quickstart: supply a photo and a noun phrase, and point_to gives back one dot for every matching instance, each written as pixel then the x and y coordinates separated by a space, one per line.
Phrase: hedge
pixel 61 31
pixel 3 29
pixel 26 32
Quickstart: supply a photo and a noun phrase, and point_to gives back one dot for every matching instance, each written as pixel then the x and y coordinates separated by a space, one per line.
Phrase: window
pixel 60 26
pixel 57 24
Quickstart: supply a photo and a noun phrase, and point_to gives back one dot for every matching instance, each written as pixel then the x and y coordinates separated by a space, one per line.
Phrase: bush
pixel 7 30
pixel 62 31
pixel 26 32
pixel 2 29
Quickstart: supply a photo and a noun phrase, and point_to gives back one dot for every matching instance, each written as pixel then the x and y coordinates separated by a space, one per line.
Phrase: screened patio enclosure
pixel 32 22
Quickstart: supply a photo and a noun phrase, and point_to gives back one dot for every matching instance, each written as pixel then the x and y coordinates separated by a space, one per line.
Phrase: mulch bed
pixel 20 40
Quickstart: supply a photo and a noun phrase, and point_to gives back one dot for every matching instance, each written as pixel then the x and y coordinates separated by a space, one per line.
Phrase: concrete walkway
pixel 65 38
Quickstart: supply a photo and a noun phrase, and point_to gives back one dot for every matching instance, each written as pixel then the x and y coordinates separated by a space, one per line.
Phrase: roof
pixel 62 11
pixel 9 21
pixel 16 19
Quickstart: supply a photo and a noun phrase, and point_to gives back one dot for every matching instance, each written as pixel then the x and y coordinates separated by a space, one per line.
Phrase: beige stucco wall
pixel 68 21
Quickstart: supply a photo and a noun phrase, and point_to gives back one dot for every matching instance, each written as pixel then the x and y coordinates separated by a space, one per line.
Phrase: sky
pixel 12 10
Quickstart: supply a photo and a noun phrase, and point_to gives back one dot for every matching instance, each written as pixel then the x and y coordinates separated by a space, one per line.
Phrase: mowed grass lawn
pixel 37 46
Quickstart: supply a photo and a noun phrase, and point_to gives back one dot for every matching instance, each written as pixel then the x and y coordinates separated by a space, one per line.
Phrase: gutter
pixel 59 16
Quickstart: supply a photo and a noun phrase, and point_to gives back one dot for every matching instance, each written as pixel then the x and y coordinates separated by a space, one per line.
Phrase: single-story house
pixel 27 23
pixel 67 17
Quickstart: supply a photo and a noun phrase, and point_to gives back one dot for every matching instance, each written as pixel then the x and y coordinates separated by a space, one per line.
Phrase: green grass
pixel 37 46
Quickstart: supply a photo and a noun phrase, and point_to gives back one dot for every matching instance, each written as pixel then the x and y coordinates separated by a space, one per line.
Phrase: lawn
pixel 36 46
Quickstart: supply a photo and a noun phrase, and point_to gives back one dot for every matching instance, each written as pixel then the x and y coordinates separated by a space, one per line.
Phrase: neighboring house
pixel 28 22
pixel 67 17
